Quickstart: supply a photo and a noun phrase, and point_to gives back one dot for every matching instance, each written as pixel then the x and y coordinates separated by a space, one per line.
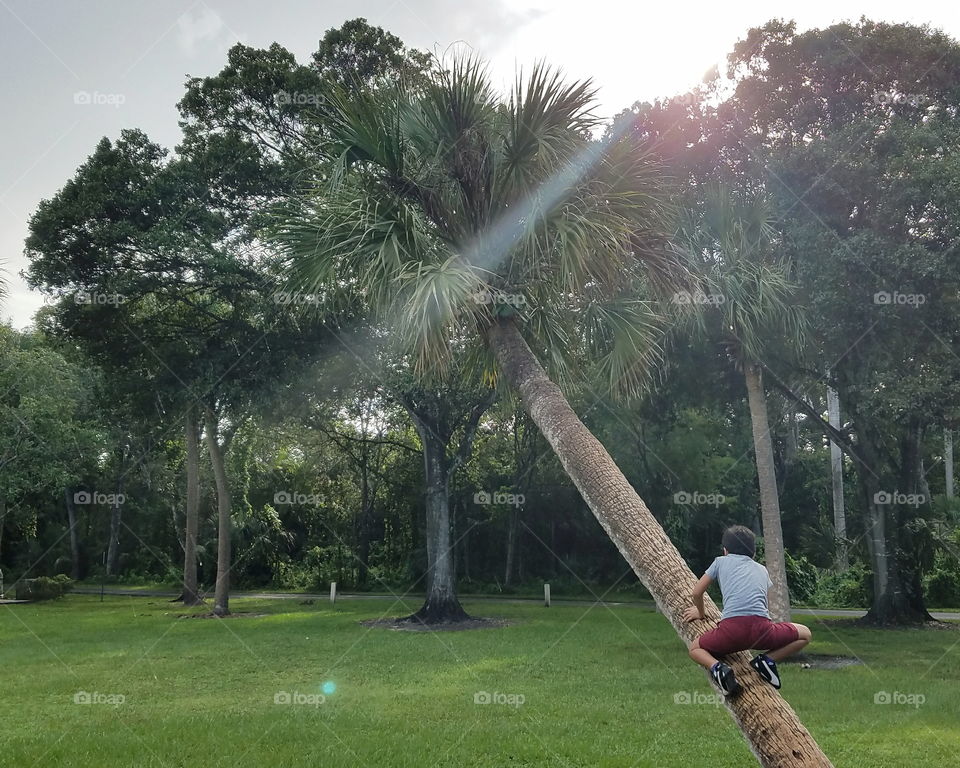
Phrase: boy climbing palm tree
pixel 745 623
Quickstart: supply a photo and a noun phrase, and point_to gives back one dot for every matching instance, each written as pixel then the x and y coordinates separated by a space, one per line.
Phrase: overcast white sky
pixel 141 51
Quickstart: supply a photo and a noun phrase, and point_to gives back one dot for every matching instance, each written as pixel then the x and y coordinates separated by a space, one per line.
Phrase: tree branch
pixel 832 432
pixel 470 430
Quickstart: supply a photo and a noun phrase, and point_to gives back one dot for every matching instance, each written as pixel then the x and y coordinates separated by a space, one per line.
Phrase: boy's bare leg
pixel 702 657
pixel 791 648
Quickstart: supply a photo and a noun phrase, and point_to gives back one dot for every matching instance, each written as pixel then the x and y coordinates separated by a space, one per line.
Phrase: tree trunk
pixel 221 598
pixel 877 547
pixel 465 546
pixel 769 499
pixel 948 461
pixel 190 594
pixel 113 547
pixel 74 535
pixel 3 522
pixel 907 560
pixel 364 519
pixel 836 477
pixel 511 544
pixel 777 737
pixel 441 604
pixel 889 603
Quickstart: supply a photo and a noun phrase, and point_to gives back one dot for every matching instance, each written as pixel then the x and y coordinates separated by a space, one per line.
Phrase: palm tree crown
pixel 449 206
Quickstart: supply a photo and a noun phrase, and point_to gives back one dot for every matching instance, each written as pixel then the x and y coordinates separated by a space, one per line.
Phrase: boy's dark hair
pixel 739 540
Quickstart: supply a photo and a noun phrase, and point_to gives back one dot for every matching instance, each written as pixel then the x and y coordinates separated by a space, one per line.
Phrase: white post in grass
pixel 333 591
pixel 546 595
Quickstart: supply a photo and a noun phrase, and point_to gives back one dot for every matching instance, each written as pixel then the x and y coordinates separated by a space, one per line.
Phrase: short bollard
pixel 333 591
pixel 546 595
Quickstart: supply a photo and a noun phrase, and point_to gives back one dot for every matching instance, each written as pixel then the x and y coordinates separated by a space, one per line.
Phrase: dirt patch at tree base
pixel 412 625
pixel 214 616
pixel 822 661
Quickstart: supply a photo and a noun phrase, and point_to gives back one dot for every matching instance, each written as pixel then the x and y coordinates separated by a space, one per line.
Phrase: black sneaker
pixel 725 679
pixel 767 668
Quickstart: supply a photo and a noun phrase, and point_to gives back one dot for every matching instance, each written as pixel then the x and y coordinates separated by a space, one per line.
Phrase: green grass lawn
pixel 600 687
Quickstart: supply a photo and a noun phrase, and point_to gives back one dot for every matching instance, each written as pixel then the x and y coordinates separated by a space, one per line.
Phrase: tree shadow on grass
pixel 413 624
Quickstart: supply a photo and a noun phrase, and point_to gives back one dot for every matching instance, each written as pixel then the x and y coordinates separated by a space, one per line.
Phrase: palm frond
pixel 731 248
pixel 442 195
pixel 625 338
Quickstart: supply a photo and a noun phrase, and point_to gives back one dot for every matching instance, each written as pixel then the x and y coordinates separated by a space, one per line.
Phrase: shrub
pixel 942 586
pixel 43 587
pixel 849 589
pixel 802 578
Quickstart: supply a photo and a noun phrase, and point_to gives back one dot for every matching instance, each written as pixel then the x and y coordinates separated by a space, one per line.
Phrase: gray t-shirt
pixel 743 584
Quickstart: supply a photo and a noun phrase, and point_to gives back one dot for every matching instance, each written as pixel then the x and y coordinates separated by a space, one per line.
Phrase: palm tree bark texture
pixel 775 734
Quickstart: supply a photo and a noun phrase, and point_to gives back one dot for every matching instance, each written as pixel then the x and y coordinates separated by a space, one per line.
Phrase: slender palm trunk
pixel 769 498
pixel 777 737
pixel 74 535
pixel 221 598
pixel 836 479
pixel 190 594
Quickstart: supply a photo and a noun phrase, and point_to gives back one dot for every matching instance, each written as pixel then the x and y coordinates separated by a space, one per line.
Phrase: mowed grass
pixel 600 686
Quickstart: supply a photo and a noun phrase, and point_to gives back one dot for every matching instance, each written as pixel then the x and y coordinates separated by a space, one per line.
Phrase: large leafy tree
pixel 50 442
pixel 160 279
pixel 851 130
pixel 251 128
pixel 857 126
pixel 440 194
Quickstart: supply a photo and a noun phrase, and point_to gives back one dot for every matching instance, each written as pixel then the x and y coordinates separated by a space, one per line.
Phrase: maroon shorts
pixel 741 633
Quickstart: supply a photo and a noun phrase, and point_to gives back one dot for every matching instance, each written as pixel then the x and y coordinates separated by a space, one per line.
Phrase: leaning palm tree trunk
pixel 774 733
pixel 769 498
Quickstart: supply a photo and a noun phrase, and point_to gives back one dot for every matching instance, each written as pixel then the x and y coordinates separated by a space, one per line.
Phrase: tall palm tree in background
pixel 748 299
pixel 451 210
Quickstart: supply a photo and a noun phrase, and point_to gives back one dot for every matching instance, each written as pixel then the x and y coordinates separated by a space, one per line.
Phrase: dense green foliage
pixel 163 292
